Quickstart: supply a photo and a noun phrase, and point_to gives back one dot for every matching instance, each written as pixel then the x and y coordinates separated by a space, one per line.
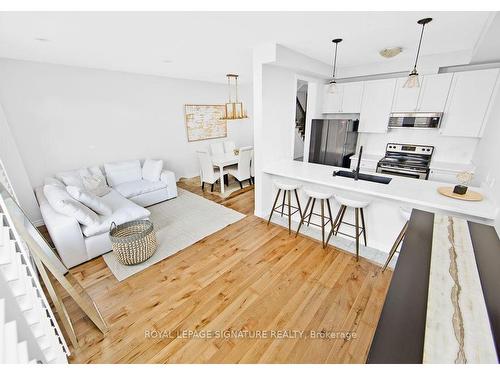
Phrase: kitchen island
pixel 383 221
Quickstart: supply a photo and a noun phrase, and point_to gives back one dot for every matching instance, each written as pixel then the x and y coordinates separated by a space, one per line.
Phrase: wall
pixel 487 156
pixel 66 117
pixel 16 172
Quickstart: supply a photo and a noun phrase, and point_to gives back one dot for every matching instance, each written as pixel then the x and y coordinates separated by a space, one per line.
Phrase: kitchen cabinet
pixel 376 105
pixel 345 99
pixel 429 97
pixel 469 101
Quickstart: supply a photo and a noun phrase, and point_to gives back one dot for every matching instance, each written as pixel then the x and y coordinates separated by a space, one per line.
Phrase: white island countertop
pixel 416 193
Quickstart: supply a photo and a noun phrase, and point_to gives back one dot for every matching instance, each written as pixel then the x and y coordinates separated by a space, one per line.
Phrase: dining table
pixel 224 160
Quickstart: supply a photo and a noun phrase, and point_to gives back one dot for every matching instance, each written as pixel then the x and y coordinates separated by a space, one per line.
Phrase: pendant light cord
pixel 419 44
pixel 335 60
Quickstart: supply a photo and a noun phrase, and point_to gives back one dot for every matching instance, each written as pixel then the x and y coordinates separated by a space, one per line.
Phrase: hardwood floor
pixel 245 279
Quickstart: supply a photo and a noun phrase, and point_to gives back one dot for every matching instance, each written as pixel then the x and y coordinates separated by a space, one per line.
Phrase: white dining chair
pixel 229 146
pixel 252 168
pixel 217 148
pixel 241 171
pixel 208 174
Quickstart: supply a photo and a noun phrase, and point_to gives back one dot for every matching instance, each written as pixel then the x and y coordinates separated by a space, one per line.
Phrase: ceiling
pixel 206 46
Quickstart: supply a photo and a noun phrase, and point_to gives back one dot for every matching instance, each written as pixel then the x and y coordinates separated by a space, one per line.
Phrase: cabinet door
pixel 434 92
pixel 332 102
pixel 405 99
pixel 351 97
pixel 468 102
pixel 376 105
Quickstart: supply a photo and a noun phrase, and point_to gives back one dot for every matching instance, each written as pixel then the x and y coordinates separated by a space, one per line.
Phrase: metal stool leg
pixel 334 230
pixel 303 216
pixel 395 246
pixel 274 206
pixel 343 209
pixel 289 212
pixel 283 203
pixel 298 202
pixel 356 215
pixel 310 213
pixel 363 223
pixel 322 222
pixel 331 222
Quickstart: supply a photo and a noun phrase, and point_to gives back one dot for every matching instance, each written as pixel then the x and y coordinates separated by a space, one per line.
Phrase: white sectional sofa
pixel 131 188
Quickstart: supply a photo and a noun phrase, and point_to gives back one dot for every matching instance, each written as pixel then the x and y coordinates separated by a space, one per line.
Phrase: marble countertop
pixel 452 167
pixel 416 193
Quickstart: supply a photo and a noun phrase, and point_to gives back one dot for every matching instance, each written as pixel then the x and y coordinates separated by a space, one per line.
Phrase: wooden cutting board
pixel 470 195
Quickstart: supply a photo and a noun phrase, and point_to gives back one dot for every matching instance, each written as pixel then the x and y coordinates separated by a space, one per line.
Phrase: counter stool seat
pixel 287 186
pixel 351 201
pixel 405 212
pixel 323 195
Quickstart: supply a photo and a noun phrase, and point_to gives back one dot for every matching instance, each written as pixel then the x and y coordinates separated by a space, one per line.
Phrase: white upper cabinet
pixel 429 97
pixel 345 99
pixel 405 99
pixel 376 105
pixel 468 103
pixel 332 101
pixel 351 98
pixel 434 92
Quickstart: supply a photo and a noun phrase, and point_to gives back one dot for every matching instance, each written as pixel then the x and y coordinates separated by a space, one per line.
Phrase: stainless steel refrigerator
pixel 333 142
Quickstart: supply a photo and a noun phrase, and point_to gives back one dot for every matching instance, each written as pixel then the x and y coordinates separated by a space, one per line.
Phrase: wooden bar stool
pixel 358 204
pixel 405 213
pixel 286 187
pixel 323 195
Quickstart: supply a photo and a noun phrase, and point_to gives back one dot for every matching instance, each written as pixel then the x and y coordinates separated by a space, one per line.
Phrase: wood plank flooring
pixel 245 279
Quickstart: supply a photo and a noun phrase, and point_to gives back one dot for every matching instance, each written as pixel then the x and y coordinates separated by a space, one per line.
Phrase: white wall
pixel 447 149
pixel 487 156
pixel 66 117
pixel 16 172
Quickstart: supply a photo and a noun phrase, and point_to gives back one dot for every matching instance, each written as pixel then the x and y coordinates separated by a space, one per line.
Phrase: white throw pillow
pixel 52 181
pixel 96 184
pixel 62 202
pixel 74 177
pixel 151 170
pixel 90 200
pixel 126 171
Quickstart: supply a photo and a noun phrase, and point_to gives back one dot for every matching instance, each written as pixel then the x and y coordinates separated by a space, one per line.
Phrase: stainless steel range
pixel 406 160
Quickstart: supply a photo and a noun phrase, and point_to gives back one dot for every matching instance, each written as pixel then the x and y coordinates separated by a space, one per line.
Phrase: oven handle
pixel 398 172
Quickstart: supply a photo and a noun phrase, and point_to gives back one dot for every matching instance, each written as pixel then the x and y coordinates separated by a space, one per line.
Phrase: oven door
pixel 402 172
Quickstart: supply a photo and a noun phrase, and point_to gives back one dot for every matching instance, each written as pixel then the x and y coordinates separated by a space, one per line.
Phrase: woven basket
pixel 133 242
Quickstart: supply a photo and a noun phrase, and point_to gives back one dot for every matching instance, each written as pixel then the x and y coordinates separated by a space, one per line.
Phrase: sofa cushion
pixel 53 181
pixel 119 173
pixel 151 170
pixel 63 203
pixel 123 210
pixel 134 188
pixel 74 177
pixel 90 200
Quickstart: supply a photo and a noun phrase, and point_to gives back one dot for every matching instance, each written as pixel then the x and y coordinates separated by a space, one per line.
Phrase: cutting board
pixel 470 195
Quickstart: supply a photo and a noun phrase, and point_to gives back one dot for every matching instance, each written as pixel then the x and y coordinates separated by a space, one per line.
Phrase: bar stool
pixel 286 186
pixel 323 195
pixel 405 213
pixel 358 204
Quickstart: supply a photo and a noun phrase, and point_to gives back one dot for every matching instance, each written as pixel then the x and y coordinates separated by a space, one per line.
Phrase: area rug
pixel 179 223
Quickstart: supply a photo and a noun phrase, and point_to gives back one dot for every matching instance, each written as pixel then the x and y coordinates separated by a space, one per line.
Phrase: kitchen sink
pixel 364 177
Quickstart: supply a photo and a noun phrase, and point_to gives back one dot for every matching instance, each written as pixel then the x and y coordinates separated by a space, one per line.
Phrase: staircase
pixel 300 119
pixel 29 332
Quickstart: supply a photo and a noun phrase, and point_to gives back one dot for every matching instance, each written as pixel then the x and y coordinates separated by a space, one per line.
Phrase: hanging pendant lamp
pixel 233 109
pixel 333 83
pixel 412 81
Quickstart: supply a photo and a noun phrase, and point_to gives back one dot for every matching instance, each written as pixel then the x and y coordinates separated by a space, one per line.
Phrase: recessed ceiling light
pixel 42 39
pixel 390 52
pixel 167 61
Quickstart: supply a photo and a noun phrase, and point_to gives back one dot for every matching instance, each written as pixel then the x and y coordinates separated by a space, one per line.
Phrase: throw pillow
pixel 52 181
pixel 62 203
pixel 125 171
pixel 151 170
pixel 96 185
pixel 74 177
pixel 90 200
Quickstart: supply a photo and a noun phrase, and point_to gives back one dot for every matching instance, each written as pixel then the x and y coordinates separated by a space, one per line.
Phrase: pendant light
pixel 234 109
pixel 412 81
pixel 333 83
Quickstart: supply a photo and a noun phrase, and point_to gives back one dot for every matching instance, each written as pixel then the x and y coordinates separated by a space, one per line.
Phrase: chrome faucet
pixel 356 171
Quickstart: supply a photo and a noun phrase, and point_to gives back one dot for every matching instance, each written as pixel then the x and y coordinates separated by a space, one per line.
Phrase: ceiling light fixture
pixel 412 81
pixel 42 40
pixel 390 52
pixel 333 83
pixel 234 109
